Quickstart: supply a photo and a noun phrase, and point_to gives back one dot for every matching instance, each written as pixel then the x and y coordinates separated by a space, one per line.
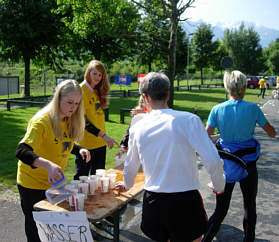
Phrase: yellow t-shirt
pixel 41 138
pixel 277 82
pixel 95 115
pixel 262 83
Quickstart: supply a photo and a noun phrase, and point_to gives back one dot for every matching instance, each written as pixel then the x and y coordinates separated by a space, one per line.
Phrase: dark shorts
pixel 173 216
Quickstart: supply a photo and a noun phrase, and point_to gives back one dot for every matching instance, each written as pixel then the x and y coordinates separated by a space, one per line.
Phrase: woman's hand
pixel 119 186
pixel 55 173
pixel 85 155
pixel 122 150
pixel 110 141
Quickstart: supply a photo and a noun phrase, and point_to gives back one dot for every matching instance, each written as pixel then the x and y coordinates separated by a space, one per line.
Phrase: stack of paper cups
pixel 72 197
pixel 100 173
pixel 104 184
pixel 92 184
pixel 83 188
pixel 79 201
pixel 75 183
pixel 112 178
pixel 83 179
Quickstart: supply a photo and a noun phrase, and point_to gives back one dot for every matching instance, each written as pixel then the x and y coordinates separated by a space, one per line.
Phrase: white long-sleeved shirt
pixel 165 142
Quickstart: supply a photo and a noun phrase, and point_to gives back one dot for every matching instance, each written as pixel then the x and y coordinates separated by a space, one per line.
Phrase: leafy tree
pixel 204 48
pixel 167 10
pixel 219 53
pixel 272 56
pixel 29 30
pixel 243 45
pixel 103 29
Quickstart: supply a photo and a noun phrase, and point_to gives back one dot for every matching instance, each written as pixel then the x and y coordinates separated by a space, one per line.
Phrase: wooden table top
pixel 100 205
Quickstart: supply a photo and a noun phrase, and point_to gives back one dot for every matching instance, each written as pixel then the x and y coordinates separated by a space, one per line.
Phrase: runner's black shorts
pixel 173 216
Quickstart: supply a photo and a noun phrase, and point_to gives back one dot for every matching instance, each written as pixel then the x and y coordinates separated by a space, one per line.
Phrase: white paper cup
pixel 83 188
pixel 104 184
pixel 75 183
pixel 112 178
pixel 100 172
pixel 99 180
pixel 83 179
pixel 79 201
pixel 92 185
pixel 72 197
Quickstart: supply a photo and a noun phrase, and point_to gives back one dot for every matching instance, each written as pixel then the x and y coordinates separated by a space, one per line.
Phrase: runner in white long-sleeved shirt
pixel 165 142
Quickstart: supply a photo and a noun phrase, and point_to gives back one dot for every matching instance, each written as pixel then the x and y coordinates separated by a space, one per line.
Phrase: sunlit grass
pixel 13 124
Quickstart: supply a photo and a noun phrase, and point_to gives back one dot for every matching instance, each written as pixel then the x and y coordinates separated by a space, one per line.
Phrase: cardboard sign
pixel 63 226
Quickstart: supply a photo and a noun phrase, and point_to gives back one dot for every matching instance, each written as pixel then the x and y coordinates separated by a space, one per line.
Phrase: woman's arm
pixel 269 129
pixel 25 153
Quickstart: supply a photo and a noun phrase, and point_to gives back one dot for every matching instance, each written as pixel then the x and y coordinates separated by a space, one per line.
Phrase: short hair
pixel 156 85
pixel 235 82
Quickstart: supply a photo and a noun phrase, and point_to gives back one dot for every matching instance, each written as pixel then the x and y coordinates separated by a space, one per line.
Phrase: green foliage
pixel 29 30
pixel 272 55
pixel 203 47
pixel 244 48
pixel 104 30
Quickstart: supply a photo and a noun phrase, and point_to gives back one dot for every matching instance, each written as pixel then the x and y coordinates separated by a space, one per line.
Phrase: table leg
pixel 116 230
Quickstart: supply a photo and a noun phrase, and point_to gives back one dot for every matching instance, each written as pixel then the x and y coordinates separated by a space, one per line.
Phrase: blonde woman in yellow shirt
pixel 44 151
pixel 95 98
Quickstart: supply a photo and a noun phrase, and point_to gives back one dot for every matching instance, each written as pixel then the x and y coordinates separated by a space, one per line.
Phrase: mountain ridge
pixel 267 35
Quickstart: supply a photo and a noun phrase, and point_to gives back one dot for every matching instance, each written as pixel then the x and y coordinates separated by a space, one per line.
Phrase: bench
pixel 122 114
pixel 24 103
pixel 118 93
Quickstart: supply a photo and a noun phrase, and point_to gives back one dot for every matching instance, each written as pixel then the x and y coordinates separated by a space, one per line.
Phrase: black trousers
pixel 28 197
pixel 249 188
pixel 98 161
pixel 262 92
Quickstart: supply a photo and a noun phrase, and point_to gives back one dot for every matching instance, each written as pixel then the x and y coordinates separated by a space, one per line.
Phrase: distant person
pixel 44 151
pixel 262 85
pixel 165 142
pixel 139 109
pixel 277 83
pixel 236 120
pixel 95 97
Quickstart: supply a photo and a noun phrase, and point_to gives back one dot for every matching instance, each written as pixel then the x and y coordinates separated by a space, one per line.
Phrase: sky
pixel 258 12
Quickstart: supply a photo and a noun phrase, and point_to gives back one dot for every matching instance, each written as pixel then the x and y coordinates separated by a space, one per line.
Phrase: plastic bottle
pixel 59 192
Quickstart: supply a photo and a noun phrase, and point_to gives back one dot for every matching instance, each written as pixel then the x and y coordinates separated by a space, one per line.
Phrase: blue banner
pixel 123 80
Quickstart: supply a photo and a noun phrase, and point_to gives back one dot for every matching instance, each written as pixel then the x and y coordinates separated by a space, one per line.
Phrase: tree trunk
pixel 172 51
pixel 201 76
pixel 27 76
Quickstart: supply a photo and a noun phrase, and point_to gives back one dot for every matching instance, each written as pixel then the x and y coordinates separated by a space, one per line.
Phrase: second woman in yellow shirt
pixel 95 98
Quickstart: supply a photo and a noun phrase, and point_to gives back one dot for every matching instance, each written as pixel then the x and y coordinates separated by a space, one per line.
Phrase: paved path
pixel 12 221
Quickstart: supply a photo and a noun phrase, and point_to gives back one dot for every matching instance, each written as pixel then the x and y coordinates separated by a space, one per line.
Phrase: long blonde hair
pixel 102 87
pixel 76 122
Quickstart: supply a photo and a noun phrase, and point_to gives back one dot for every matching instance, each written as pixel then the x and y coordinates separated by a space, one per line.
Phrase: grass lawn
pixel 13 125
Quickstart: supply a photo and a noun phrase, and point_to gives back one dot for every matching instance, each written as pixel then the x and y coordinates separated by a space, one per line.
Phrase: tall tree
pixel 272 56
pixel 243 45
pixel 171 10
pixel 204 47
pixel 104 30
pixel 29 30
